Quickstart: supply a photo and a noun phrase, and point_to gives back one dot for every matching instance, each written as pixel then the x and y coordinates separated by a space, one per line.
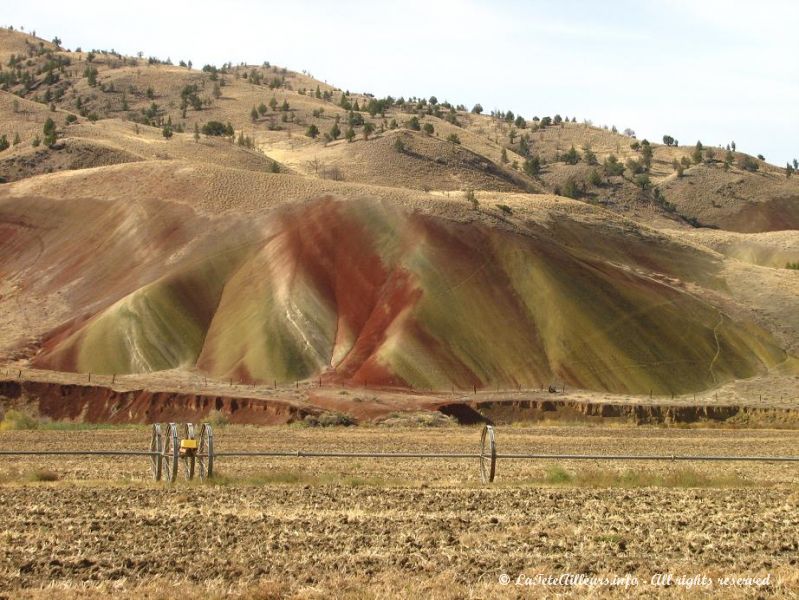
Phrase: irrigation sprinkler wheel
pixel 488 455
pixel 205 452
pixel 188 459
pixel 157 449
pixel 169 459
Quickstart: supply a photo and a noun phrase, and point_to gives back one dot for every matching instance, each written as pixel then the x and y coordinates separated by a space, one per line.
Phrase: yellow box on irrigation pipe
pixel 188 444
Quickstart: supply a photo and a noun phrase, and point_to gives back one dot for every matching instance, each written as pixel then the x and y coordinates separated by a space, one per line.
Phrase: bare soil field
pixel 319 528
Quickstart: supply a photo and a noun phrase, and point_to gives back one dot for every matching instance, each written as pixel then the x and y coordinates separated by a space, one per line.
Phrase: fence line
pixel 195 448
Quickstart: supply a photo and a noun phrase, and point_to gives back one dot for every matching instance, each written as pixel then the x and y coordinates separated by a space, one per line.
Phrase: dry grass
pixel 305 528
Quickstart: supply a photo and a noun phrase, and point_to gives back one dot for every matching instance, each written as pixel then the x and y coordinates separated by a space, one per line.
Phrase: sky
pixel 709 70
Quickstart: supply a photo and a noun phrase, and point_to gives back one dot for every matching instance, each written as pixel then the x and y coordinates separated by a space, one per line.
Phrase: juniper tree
pixel 532 165
pixel 588 155
pixel 646 153
pixel 696 156
pixel 368 128
pixel 49 130
pixel 571 157
pixel 612 166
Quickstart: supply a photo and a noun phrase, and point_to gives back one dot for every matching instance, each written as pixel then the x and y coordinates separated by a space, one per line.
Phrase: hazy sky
pixel 697 69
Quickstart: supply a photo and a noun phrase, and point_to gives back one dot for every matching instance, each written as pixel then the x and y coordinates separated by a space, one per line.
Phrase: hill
pixel 252 223
pixel 272 109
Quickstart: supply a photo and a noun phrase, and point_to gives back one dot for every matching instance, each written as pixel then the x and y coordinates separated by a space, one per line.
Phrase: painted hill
pixel 359 285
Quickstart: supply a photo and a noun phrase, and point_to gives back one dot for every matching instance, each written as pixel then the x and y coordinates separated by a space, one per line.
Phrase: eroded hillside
pixel 253 223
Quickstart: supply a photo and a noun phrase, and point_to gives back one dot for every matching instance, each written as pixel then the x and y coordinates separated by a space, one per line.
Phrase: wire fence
pixel 196 447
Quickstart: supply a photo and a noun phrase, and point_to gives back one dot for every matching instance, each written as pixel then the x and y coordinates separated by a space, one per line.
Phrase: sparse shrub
pixel 594 178
pixel 335 131
pixel 558 475
pixel 399 145
pixel 4 142
pixel 634 166
pixel 215 128
pixel 350 134
pixel 71 119
pixel 642 181
pixel 43 475
pixel 312 131
pixel 328 419
pixel 612 166
pixel 505 208
pixel 16 420
pixel 570 189
pixel 472 199
pixel 747 163
pixel 428 128
pixel 453 137
pixel 217 418
pixel 477 109
pixel 413 123
pixel 792 265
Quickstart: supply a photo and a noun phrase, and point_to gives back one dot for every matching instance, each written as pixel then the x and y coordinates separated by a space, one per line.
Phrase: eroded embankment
pixel 99 404
pixel 500 411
